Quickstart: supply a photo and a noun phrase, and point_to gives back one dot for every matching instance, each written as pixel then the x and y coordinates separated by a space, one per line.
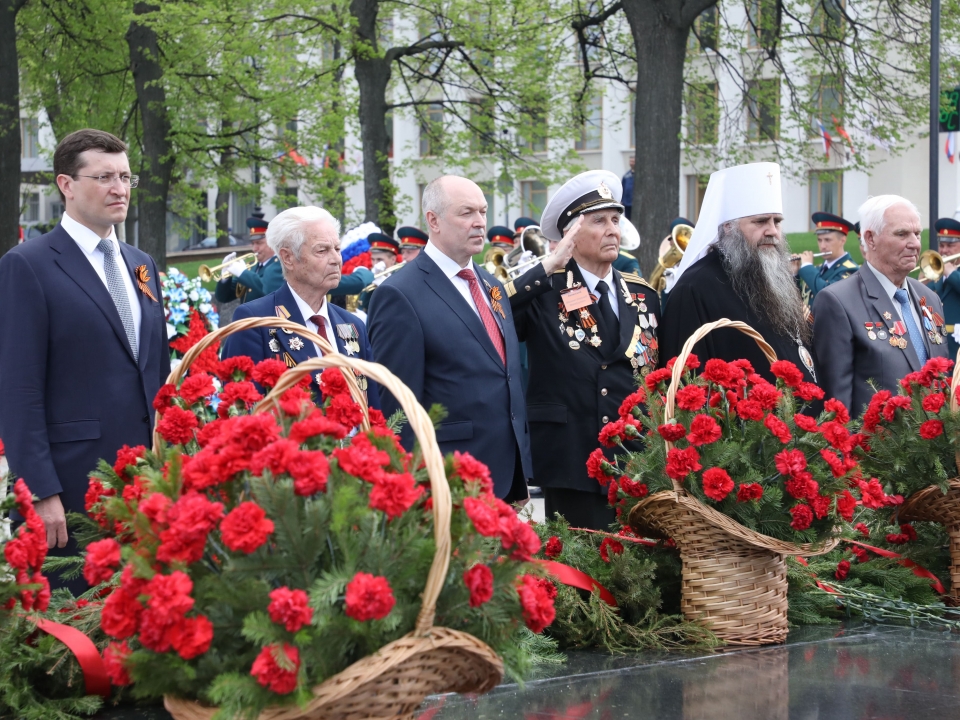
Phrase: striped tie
pixel 486 316
pixel 118 292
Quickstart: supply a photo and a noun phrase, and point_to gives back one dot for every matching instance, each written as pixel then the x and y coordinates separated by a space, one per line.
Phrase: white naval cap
pixel 732 193
pixel 587 192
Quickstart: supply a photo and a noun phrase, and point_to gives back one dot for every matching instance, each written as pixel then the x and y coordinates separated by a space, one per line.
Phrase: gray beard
pixel 762 278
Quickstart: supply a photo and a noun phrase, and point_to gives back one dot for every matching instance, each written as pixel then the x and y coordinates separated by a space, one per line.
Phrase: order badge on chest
pixel 575 318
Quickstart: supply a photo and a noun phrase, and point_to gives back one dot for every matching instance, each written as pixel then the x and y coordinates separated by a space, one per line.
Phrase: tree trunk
pixel 10 149
pixel 373 74
pixel 661 45
pixel 158 165
pixel 222 209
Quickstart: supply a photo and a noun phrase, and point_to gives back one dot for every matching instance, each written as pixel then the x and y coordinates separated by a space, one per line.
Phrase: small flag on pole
pixel 844 134
pixel 827 140
pixel 950 146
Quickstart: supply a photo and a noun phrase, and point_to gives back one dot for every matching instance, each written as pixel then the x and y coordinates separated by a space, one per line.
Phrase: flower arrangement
pixel 190 315
pixel 254 556
pixel 739 445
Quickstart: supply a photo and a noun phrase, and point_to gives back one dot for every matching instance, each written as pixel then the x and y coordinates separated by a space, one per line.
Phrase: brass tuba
pixel 530 240
pixel 679 237
pixel 494 262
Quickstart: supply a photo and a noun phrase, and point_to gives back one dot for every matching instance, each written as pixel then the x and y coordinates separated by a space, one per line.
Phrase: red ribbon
pixel 94 672
pixel 575 578
pixel 918 570
pixel 616 536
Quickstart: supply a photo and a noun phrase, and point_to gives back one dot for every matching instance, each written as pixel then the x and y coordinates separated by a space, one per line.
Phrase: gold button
pixel 527 288
pixel 604 419
pixel 603 391
pixel 536 282
pixel 603 367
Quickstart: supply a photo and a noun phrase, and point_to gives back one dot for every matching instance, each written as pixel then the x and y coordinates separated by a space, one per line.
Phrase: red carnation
pixel 295 400
pixel 717 484
pixel 656 377
pixel 908 530
pixel 537 602
pixel 114 659
pixel 860 527
pixel 368 597
pixel 691 397
pixel 872 495
pixel 837 435
pixel 749 491
pixel 516 534
pixel 362 459
pixel 483 515
pixel 790 462
pixel 196 387
pixel 802 486
pixel 236 368
pixel 633 489
pixel 289 608
pixel 164 397
pixel 472 470
pixel 278 677
pixel 103 558
pixel 931 429
pixel 93 502
pixel 788 372
pixel 933 403
pixel 332 382
pixel 820 505
pixel 595 467
pixel 394 493
pixel 267 372
pixel 244 393
pixel 191 637
pixel 838 409
pixel 721 372
pixel 630 403
pixel 121 614
pixel 176 426
pixel 609 545
pixel 802 517
pixel 808 391
pixel 479 581
pixel 246 527
pixel 344 410
pixel 843 567
pixel 681 463
pixel 900 402
pixel 806 423
pixel 672 431
pixel 778 428
pixel 766 395
pixel 846 504
pixel 553 548
pixel 208 432
pixel 750 410
pixel 316 424
pixel 837 468
pixel 127 456
pixel 191 519
pixel 704 430
pixel 862 555
pixel 612 433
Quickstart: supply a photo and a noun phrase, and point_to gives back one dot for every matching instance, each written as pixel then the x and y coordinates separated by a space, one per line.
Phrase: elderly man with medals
pixel 591 335
pixel 737 266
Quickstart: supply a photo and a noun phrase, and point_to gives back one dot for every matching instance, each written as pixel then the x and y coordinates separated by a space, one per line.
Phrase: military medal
pixel 348 333
pixel 274 345
pixel 643 322
pixel 296 343
pixel 870 333
pixel 594 340
pixel 574 345
pixel 887 316
pixel 282 312
pixel 143 277
pixel 495 297
pixel 897 332
pixel 570 331
pixel 881 332
pixel 580 334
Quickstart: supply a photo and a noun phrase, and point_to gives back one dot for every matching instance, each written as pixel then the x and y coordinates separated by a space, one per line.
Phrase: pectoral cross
pixel 770 178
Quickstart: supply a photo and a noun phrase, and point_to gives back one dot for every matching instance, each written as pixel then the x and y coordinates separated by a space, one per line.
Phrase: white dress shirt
pixel 450 268
pixel 889 288
pixel 307 312
pixel 88 240
pixel 591 280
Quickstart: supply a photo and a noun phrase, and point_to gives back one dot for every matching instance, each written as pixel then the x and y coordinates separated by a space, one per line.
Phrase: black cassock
pixel 704 294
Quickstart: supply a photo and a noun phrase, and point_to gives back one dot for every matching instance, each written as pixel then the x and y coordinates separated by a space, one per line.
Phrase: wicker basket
pixel 733 579
pixel 393 682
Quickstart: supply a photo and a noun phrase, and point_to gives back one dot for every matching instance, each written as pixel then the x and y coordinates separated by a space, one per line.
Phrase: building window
pixel 489 188
pixel 825 194
pixel 29 138
pixel 240 209
pixel 702 113
pixel 431 131
pixel 286 197
pixel 533 198
pixel 56 210
pixel 828 16
pixel 763 110
pixel 421 221
pixel 761 23
pixel 533 132
pixel 481 126
pixel 696 189
pixel 705 33
pixel 591 132
pixel 31 208
pixel 827 103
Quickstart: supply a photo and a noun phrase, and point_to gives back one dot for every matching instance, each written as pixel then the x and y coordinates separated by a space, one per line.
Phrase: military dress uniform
pixel 626 263
pixel 253 284
pixel 813 279
pixel 500 236
pixel 412 238
pixel 383 242
pixel 948 288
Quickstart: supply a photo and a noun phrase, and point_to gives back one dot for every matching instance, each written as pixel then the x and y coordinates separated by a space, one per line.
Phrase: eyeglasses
pixel 108 179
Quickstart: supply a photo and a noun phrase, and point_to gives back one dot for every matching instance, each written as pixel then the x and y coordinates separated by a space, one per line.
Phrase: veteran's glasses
pixel 108 179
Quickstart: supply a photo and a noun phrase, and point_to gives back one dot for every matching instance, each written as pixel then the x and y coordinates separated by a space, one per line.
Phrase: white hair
pixel 287 228
pixel 873 210
pixel 434 198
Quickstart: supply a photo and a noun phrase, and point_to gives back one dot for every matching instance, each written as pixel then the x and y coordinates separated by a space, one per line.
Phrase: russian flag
pixel 827 140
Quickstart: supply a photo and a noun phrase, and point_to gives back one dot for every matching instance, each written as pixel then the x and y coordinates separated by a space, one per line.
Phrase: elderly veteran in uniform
pixel 878 324
pixel 265 277
pixel 737 266
pixel 948 286
pixel 307 243
pixel 412 241
pixel 582 368
pixel 832 231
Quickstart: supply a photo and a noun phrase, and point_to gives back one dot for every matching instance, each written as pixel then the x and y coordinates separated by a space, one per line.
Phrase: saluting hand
pixel 564 251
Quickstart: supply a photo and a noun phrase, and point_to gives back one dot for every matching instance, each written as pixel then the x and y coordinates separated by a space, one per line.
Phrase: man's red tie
pixel 321 326
pixel 486 315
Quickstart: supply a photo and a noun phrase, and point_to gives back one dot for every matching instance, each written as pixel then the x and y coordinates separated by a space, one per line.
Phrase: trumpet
pixel 931 264
pixel 382 274
pixel 494 262
pixel 679 237
pixel 218 272
pixel 796 257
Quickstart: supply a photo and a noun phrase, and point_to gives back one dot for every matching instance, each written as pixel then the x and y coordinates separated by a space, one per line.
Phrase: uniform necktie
pixel 118 292
pixel 486 315
pixel 609 325
pixel 916 337
pixel 321 326
pixel 823 269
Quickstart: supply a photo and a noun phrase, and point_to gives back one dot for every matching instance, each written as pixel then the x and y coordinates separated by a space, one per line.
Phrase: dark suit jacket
pixel 255 343
pixel 70 390
pixel 948 288
pixel 849 356
pixel 424 330
pixel 573 393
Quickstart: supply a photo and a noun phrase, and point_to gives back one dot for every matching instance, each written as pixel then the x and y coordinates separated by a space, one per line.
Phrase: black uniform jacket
pixel 575 391
pixel 704 294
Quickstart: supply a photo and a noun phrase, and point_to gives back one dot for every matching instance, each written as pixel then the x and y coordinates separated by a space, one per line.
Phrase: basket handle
pixel 422 427
pixel 249 324
pixel 680 363
pixel 954 400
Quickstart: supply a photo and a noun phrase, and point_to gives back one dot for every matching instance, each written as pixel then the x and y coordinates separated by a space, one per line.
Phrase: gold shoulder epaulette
pixel 511 290
pixel 634 278
pixel 850 264
pixel 626 254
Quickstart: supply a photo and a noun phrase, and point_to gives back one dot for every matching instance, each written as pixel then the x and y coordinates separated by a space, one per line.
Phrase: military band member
pixel 832 231
pixel 521 224
pixel 591 334
pixel 626 262
pixel 500 236
pixel 737 266
pixel 879 324
pixel 412 241
pixel 307 243
pixel 948 286
pixel 669 275
pixel 265 277
pixel 384 251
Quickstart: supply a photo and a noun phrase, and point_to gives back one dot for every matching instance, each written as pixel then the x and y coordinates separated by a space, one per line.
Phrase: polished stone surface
pixel 855 672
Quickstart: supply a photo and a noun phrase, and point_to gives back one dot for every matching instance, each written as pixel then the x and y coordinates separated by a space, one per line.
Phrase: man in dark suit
pixel 262 279
pixel 948 286
pixel 580 372
pixel 307 242
pixel 83 344
pixel 878 324
pixel 444 327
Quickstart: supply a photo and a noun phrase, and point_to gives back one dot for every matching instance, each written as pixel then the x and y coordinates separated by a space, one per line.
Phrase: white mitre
pixel 732 193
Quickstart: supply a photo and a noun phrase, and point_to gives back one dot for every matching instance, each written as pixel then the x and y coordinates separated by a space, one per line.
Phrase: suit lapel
pixel 884 307
pixel 74 263
pixel 628 315
pixel 305 349
pixel 147 316
pixel 915 293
